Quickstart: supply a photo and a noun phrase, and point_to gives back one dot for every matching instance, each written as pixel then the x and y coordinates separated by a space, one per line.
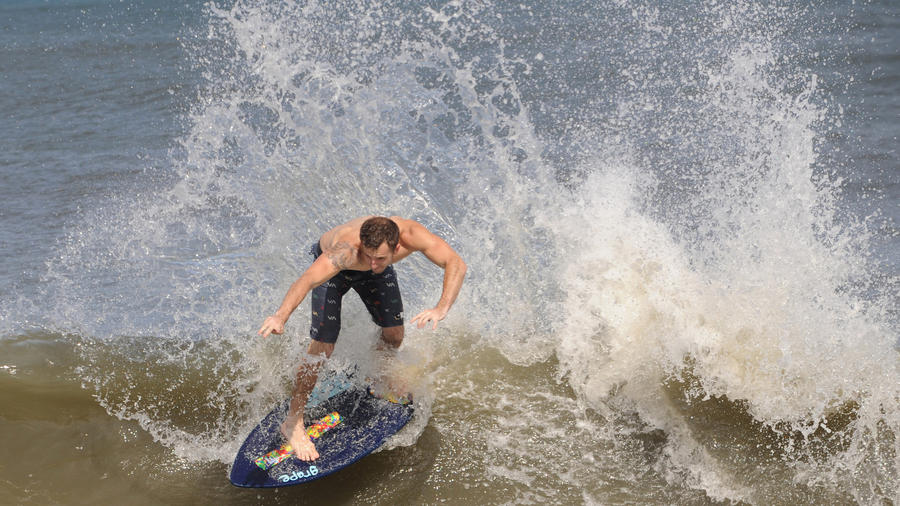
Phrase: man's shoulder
pixel 400 221
pixel 408 226
pixel 415 236
pixel 341 237
pixel 342 254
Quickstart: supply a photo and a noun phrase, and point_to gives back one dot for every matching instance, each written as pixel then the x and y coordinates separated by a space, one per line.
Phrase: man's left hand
pixel 429 315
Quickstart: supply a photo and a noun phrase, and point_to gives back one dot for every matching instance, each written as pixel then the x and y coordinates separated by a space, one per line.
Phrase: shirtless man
pixel 358 255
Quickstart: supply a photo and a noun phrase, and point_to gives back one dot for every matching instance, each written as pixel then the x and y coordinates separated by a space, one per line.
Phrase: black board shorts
pixel 379 292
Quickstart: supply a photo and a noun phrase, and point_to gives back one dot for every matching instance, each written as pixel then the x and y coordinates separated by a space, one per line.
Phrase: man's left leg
pixel 381 295
pixel 391 337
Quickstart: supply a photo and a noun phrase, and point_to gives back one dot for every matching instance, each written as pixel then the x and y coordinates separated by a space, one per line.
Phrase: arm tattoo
pixel 341 255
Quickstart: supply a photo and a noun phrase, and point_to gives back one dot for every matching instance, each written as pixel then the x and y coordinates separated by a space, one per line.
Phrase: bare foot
pixel 299 440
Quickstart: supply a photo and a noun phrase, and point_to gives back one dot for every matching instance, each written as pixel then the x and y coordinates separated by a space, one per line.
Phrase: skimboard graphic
pixel 314 431
pixel 392 397
pixel 365 422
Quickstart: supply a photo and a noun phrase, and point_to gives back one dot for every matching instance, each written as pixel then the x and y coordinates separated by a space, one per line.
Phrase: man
pixel 359 255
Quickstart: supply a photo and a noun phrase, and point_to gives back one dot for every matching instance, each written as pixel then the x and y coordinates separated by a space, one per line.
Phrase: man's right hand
pixel 272 325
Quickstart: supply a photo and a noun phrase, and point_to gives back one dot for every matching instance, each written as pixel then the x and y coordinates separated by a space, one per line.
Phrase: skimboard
pixel 344 428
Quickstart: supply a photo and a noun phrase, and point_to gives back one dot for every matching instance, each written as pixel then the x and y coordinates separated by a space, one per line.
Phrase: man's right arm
pixel 319 272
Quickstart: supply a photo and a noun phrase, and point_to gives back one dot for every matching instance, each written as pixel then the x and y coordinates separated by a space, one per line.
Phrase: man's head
pixel 379 237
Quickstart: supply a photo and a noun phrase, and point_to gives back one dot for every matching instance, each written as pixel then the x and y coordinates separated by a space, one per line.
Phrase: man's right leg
pixel 307 373
pixel 325 325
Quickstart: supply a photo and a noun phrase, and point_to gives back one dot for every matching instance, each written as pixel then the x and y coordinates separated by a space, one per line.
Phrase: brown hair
pixel 377 230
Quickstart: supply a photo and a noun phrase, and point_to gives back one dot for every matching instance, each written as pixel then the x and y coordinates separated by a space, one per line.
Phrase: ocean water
pixel 680 221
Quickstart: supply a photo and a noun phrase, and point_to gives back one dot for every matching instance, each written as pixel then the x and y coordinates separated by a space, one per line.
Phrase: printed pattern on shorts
pixel 379 292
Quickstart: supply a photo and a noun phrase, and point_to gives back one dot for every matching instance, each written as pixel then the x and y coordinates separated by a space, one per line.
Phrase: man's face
pixel 378 259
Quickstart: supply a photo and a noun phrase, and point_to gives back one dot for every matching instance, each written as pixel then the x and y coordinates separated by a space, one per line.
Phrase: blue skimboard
pixel 365 422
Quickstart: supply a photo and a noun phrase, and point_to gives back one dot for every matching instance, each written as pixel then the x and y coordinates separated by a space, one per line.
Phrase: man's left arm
pixel 441 254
